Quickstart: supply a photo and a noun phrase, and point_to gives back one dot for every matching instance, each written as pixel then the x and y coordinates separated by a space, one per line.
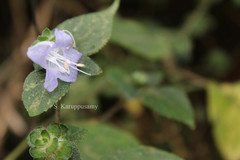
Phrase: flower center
pixel 56 60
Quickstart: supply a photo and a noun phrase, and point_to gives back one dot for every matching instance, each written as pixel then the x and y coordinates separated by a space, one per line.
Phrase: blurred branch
pixel 195 17
pixel 19 16
pixel 182 74
pixel 18 150
pixel 109 114
pixel 8 111
pixel 33 16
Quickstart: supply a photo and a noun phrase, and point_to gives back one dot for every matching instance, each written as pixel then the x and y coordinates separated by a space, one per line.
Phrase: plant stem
pixel 109 114
pixel 18 150
pixel 58 109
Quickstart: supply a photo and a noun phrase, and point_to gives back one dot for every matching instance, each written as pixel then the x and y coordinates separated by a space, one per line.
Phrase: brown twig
pixel 109 114
pixel 183 74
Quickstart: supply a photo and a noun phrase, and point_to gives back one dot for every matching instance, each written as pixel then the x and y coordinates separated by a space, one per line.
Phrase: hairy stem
pixel 58 109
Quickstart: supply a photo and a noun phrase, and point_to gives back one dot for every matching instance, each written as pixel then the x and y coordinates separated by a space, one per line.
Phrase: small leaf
pixel 42 38
pixel 139 153
pixel 47 35
pixel 53 145
pixel 91 31
pixel 37 67
pixel 76 154
pixel 36 98
pixel 37 153
pixel 170 102
pixel 46 32
pixel 34 136
pixel 65 150
pixel 54 129
pixel 122 81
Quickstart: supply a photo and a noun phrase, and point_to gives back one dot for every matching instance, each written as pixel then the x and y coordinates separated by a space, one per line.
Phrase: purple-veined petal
pixel 51 81
pixel 72 54
pixel 39 52
pixel 62 39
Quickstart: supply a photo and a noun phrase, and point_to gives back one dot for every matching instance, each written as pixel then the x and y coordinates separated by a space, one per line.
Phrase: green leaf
pixel 170 102
pixel 46 32
pixel 53 145
pixel 223 113
pixel 91 31
pixel 149 42
pixel 54 129
pixel 34 136
pixel 37 153
pixel 47 35
pixel 65 150
pixel 90 66
pixel 182 46
pixel 139 153
pixel 77 135
pixel 85 90
pixel 76 154
pixel 103 138
pixel 36 98
pixel 122 81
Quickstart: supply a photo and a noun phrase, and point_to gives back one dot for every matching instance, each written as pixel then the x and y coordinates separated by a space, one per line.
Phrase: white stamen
pixel 80 65
pixel 81 71
pixel 66 64
pixel 56 58
pixel 62 70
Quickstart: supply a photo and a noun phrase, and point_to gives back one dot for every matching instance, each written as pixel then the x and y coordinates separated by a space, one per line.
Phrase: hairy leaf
pixel 91 31
pixel 36 98
pixel 140 153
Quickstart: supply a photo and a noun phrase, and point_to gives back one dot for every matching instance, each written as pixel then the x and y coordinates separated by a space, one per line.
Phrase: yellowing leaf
pixel 223 112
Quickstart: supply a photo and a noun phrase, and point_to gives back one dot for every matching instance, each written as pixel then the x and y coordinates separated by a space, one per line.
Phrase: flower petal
pixel 39 52
pixel 51 81
pixel 72 54
pixel 62 39
pixel 72 77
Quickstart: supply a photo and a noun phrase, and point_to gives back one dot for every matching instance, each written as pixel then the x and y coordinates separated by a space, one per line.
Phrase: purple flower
pixel 58 58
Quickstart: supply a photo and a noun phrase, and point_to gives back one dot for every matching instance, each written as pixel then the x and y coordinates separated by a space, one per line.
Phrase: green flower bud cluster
pixel 51 143
pixel 47 35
